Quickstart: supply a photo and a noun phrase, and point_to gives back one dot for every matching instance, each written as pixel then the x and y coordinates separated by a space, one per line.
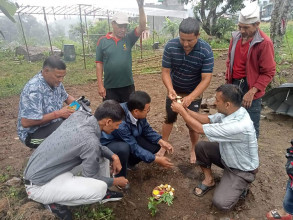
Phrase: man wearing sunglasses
pixel 114 59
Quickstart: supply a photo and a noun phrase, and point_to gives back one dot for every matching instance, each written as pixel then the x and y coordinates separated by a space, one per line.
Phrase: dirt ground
pixel 266 192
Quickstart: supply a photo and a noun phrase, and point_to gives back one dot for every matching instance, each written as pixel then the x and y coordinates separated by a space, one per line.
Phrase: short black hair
pixel 138 100
pixel 189 26
pixel 231 93
pixel 54 62
pixel 110 109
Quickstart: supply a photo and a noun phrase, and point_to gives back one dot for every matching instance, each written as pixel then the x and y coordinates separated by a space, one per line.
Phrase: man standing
pixel 135 140
pixel 233 146
pixel 49 178
pixel 41 108
pixel 188 63
pixel 250 63
pixel 113 57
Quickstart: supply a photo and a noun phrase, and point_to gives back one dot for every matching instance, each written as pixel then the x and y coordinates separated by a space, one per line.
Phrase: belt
pixel 28 182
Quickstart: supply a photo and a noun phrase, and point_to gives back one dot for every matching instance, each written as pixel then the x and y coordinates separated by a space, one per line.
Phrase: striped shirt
pixel 186 70
pixel 235 134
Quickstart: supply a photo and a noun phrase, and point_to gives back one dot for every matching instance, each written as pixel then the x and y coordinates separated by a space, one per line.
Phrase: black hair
pixel 54 62
pixel 110 109
pixel 231 93
pixel 138 100
pixel 189 26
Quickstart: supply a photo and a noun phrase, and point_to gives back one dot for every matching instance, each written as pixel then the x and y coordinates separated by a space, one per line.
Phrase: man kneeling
pixel 135 140
pixel 48 176
pixel 233 148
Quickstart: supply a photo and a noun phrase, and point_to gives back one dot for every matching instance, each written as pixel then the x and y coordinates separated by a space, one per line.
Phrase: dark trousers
pixel 122 149
pixel 33 140
pixel 255 109
pixel 119 94
pixel 233 181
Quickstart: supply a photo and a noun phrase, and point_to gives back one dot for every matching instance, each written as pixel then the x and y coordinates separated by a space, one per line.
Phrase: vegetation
pixel 211 12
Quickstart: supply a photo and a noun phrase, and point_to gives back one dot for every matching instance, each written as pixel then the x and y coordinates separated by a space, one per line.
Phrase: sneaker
pixel 60 210
pixel 112 196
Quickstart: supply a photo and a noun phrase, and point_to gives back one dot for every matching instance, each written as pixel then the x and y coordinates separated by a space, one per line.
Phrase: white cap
pixel 120 18
pixel 250 14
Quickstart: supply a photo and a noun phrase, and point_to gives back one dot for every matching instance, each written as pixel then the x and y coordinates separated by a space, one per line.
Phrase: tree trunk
pixel 281 11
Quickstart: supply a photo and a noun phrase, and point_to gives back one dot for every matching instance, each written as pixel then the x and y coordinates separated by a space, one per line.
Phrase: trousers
pixel 70 190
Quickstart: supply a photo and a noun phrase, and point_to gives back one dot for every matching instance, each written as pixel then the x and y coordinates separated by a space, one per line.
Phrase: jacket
pixel 260 66
pixel 128 132
pixel 75 142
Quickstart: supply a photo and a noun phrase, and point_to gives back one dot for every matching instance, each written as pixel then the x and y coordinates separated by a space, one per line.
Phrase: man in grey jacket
pixel 48 176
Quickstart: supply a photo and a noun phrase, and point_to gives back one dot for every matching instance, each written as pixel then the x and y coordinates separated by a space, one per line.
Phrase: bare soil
pixel 266 192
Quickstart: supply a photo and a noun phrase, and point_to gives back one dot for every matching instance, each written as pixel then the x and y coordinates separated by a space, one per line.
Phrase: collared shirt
pixel 132 119
pixel 36 100
pixel 236 136
pixel 115 55
pixel 75 142
pixel 186 70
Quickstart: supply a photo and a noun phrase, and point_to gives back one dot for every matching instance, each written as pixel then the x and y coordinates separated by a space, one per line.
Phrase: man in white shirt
pixel 233 146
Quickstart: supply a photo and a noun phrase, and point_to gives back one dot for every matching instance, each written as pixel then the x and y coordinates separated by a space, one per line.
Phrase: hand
pixel 140 3
pixel 120 181
pixel 116 164
pixel 102 91
pixel 172 95
pixel 167 146
pixel 164 162
pixel 177 107
pixel 187 101
pixel 64 112
pixel 248 97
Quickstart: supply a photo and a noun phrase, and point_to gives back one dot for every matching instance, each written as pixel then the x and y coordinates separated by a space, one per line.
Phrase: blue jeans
pixel 288 199
pixel 254 113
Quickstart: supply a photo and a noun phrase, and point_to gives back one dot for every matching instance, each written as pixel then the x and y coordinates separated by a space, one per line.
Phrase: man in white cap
pixel 114 59
pixel 250 63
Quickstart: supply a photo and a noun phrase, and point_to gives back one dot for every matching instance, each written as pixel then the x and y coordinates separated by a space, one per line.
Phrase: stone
pixel 15 181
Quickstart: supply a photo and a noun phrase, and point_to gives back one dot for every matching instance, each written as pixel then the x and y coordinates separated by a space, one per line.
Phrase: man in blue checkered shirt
pixel 41 108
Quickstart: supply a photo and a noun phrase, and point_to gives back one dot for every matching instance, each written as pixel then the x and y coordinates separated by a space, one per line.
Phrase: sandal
pixel 275 215
pixel 204 189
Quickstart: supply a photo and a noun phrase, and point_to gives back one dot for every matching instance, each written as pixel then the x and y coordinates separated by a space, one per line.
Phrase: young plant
pixel 166 197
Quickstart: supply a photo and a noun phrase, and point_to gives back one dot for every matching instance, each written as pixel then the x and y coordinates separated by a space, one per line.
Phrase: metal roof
pixel 95 11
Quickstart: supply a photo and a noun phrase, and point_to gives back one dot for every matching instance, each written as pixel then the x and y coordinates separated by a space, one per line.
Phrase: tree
pixel 209 12
pixel 171 27
pixel 8 8
pixel 280 15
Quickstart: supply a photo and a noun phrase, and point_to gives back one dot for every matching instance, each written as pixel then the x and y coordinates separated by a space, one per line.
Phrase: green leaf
pixel 8 8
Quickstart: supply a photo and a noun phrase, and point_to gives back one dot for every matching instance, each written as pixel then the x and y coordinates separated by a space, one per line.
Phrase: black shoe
pixel 112 196
pixel 244 194
pixel 60 210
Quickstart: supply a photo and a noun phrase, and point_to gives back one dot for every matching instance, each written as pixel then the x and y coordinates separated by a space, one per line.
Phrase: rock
pixel 15 181
pixel 36 53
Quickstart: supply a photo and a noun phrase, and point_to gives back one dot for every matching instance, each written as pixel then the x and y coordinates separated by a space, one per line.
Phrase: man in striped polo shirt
pixel 188 63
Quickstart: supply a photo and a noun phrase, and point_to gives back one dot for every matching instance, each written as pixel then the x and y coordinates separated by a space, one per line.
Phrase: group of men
pixel 74 149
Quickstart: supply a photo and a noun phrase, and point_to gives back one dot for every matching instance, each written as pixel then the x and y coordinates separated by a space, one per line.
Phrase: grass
pixel 14 75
